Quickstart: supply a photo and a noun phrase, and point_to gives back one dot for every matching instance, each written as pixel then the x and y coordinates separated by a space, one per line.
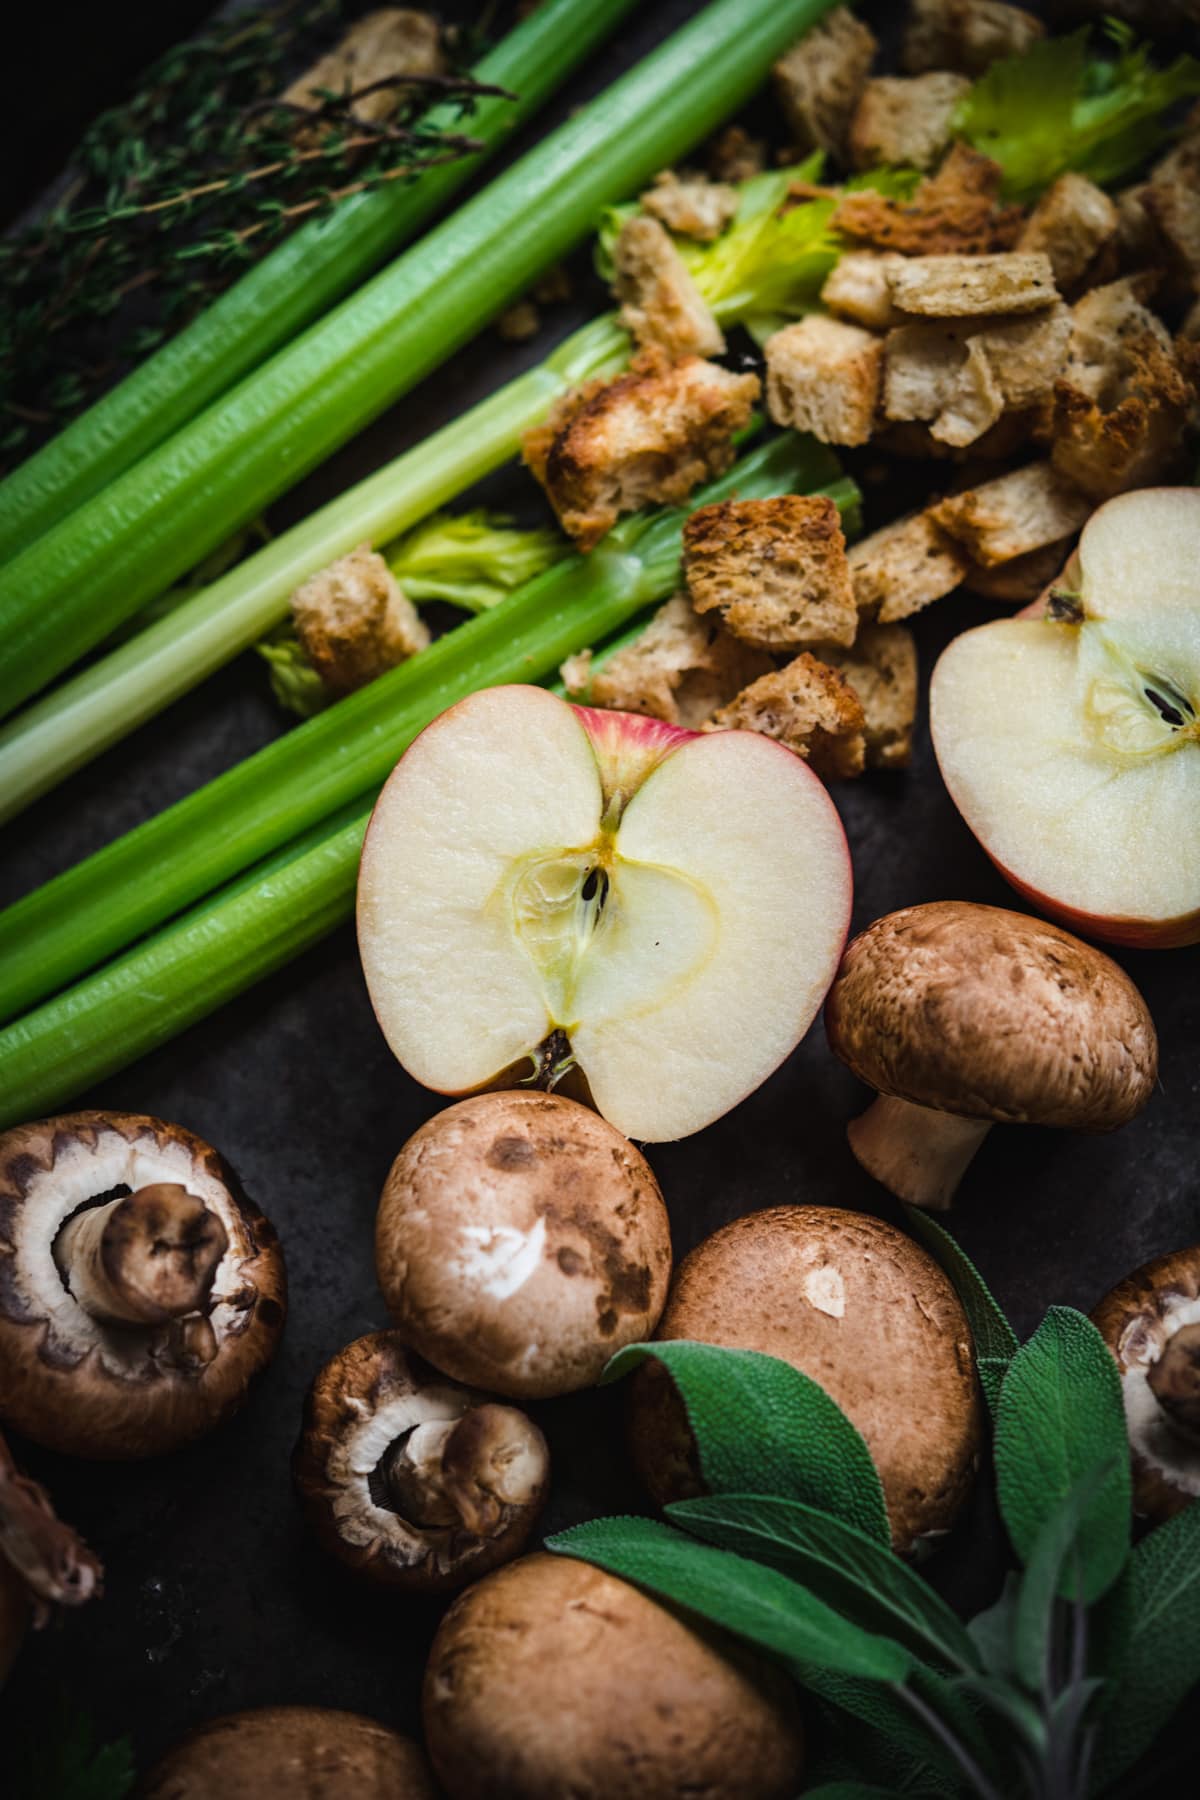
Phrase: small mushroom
pixel 43 1563
pixel 140 1290
pixel 1151 1323
pixel 551 1678
pixel 291 1750
pixel 412 1480
pixel 961 1015
pixel 521 1242
pixel 860 1308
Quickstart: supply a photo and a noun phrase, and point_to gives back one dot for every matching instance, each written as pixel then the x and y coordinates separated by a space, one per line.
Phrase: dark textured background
pixel 215 1599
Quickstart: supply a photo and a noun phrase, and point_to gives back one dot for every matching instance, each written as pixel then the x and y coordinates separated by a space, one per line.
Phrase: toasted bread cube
pixel 646 438
pixel 809 707
pixel 1071 224
pixel 681 669
pixel 824 376
pixel 819 79
pixel 905 119
pixel 391 41
pixel 735 156
pixel 691 204
pixel 1103 322
pixel 937 374
pixel 1019 512
pixel 857 288
pixel 1174 207
pixel 1022 579
pixel 904 567
pixel 354 622
pixel 775 570
pixel 968 35
pixel 661 302
pixel 952 287
pixel 1189 331
pixel 881 667
pixel 1026 354
pixel 958 209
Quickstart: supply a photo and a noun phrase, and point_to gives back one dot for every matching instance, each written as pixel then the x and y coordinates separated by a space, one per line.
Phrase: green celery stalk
pixel 76 583
pixel 96 909
pixel 296 283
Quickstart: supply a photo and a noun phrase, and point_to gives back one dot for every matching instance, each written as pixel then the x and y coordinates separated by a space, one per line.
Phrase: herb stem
pixel 937 1728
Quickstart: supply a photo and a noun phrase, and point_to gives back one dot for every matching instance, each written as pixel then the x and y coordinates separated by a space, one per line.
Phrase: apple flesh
pixel 544 885
pixel 1070 741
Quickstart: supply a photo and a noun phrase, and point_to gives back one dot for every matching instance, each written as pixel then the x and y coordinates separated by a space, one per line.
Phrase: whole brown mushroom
pixel 43 1563
pixel 521 1242
pixel 140 1290
pixel 410 1479
pixel 860 1308
pixel 1151 1323
pixel 551 1678
pixel 962 1015
pixel 291 1750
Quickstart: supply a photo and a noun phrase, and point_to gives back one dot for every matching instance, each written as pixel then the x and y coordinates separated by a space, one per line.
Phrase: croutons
pixel 647 437
pixel 903 567
pixel 1016 513
pixel 824 376
pixel 1071 224
pixel 958 209
pixel 354 622
pixel 394 40
pixel 951 287
pixel 661 302
pixel 905 119
pixel 1022 578
pixel 735 156
pixel 857 288
pixel 775 570
pixel 809 707
pixel 691 204
pixel 882 669
pixel 681 669
pixel 820 78
pixel 1174 207
pixel 967 35
pixel 960 376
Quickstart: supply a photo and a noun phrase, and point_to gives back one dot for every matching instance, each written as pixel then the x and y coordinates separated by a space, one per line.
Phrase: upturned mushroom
pixel 140 1290
pixel 1151 1323
pixel 860 1308
pixel 43 1563
pixel 552 1678
pixel 521 1241
pixel 961 1016
pixel 410 1479
pixel 291 1750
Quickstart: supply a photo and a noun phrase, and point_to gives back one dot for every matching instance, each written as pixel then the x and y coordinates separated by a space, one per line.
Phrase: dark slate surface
pixel 215 1599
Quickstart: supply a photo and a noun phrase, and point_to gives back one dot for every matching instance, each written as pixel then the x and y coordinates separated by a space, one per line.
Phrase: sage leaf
pixel 877 1734
pixel 1061 1417
pixel 763 1427
pixel 843 1566
pixel 1050 1568
pixel 755 1603
pixel 991 1631
pixel 995 1340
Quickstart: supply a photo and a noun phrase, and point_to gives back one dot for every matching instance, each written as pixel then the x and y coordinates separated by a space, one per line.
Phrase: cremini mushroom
pixel 961 1015
pixel 291 1750
pixel 140 1290
pixel 551 1678
pixel 1151 1323
pixel 860 1308
pixel 43 1563
pixel 521 1241
pixel 411 1479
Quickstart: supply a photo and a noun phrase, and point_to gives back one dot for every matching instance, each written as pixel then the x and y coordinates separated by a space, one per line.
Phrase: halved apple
pixel 544 885
pixel 1070 742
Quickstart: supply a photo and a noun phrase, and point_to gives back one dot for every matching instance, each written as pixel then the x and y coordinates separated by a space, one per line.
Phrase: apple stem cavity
pixel 1174 1380
pixel 918 1154
pixel 552 1060
pixel 1064 606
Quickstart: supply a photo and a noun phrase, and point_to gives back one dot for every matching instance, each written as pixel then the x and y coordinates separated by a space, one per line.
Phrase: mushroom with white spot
pixel 140 1289
pixel 960 1016
pixel 521 1241
pixel 410 1479
pixel 1151 1323
pixel 43 1563
pixel 308 1750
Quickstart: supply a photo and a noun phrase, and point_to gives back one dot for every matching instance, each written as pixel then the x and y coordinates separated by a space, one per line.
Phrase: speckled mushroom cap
pixel 992 1015
pixel 291 1750
pixel 1137 1320
pixel 86 1388
pixel 552 1678
pixel 521 1241
pixel 860 1308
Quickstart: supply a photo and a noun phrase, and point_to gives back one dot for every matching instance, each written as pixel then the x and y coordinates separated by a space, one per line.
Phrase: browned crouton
pixel 691 204
pixel 661 302
pixel 1174 207
pixel 735 156
pixel 775 570
pixel 394 40
pixel 648 437
pixel 906 566
pixel 968 35
pixel 681 669
pixel 1071 224
pixel 905 119
pixel 354 622
pixel 958 209
pixel 823 376
pixel 942 376
pixel 820 78
pixel 809 707
pixel 882 669
pixel 1016 513
pixel 952 287
pixel 1020 580
pixel 857 288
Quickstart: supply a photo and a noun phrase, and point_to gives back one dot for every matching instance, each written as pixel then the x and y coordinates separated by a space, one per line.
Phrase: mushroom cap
pixel 552 1677
pixel 992 1015
pixel 88 1389
pixel 309 1750
pixel 1137 1320
pixel 364 1399
pixel 860 1308
pixel 521 1241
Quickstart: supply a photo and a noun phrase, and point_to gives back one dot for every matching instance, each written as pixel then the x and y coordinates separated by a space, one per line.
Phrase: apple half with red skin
pixel 544 885
pixel 1069 737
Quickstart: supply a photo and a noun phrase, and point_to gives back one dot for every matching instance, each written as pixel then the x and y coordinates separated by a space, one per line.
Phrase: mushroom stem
pixel 467 1471
pixel 1174 1380
pixel 916 1153
pixel 144 1259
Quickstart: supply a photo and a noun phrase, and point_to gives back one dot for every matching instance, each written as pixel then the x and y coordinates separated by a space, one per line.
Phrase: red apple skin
pixel 1133 934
